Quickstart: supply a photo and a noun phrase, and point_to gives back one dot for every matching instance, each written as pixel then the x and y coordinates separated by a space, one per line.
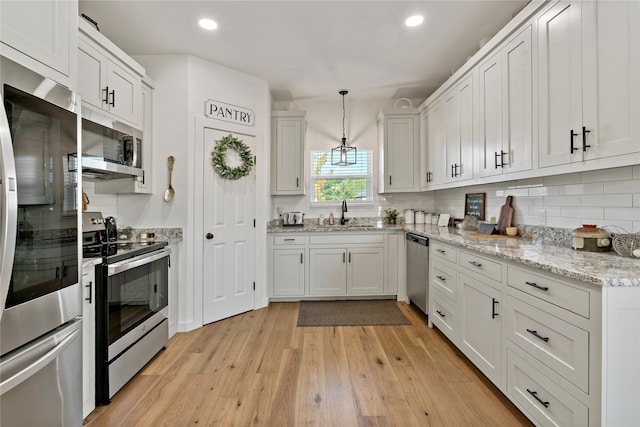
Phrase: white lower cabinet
pixel 443 315
pixel 288 272
pixel 333 264
pixel 536 335
pixel 546 402
pixel 346 271
pixel 88 341
pixel 480 334
pixel 327 271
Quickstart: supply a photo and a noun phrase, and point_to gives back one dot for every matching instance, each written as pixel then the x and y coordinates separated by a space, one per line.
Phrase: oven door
pixel 136 290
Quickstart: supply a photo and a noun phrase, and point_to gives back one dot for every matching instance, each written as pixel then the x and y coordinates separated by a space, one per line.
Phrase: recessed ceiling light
pixel 208 24
pixel 414 21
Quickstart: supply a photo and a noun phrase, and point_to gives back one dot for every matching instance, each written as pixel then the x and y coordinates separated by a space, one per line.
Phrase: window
pixel 335 183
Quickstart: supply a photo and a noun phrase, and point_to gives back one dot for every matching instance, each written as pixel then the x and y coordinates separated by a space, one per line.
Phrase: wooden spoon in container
pixel 169 192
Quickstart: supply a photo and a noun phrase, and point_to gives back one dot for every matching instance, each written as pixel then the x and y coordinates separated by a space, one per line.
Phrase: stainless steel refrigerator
pixel 40 294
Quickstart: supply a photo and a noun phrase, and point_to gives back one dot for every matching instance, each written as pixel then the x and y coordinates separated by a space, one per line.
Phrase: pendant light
pixel 344 154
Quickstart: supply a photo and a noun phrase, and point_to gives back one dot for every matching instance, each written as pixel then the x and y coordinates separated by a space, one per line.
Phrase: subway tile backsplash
pixel 603 197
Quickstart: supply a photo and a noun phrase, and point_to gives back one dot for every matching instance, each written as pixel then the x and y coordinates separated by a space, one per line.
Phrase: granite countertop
pixel 602 269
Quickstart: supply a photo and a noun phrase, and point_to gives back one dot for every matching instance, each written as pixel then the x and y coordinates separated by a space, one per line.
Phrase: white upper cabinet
pixel 458 131
pixel 109 80
pixel 431 140
pixel 42 36
pixel 588 66
pixel 611 70
pixel 505 108
pixel 287 166
pixel 398 134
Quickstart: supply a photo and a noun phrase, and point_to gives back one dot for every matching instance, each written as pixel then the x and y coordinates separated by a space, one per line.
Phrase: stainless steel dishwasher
pixel 418 271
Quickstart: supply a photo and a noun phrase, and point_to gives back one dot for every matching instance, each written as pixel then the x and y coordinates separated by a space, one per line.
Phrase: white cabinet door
pixel 611 66
pixel 400 153
pixel 88 342
pixel 144 184
pixel 288 272
pixel 93 74
pixel 505 108
pixel 480 332
pixel 43 31
pixel 459 131
pixel 491 107
pixel 517 77
pixel 123 93
pixel 560 84
pixel 365 271
pixel 288 153
pixel 327 271
pixel 431 141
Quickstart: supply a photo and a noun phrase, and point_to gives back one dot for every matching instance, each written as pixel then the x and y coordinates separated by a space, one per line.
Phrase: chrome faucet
pixel 343 221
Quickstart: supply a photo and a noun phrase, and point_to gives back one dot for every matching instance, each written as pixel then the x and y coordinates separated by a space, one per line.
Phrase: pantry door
pixel 229 234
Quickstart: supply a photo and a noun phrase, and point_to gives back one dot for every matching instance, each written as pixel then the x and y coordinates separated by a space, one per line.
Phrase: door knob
pixel 209 236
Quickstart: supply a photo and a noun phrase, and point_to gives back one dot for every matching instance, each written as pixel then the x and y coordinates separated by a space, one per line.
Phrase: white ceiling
pixel 310 49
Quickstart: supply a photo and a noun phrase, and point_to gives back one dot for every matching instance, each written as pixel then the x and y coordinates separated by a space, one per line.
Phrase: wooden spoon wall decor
pixel 169 192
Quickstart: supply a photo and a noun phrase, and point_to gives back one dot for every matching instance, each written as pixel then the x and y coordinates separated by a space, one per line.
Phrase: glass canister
pixel 427 217
pixel 419 217
pixel 434 219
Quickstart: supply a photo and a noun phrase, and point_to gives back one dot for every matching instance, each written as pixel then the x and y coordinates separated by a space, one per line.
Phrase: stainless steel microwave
pixel 110 149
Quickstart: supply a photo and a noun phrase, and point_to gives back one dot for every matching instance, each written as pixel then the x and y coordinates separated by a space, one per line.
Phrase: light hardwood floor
pixel 260 369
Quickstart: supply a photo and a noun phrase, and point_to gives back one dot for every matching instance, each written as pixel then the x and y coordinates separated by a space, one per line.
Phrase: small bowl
pixel 512 231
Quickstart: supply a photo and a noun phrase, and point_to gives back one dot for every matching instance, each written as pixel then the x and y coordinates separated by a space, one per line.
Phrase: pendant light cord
pixel 343 115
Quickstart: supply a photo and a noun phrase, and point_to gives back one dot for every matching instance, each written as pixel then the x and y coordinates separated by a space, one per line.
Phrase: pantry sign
pixel 229 113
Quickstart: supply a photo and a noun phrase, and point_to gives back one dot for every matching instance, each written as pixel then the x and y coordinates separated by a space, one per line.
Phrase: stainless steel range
pixel 131 305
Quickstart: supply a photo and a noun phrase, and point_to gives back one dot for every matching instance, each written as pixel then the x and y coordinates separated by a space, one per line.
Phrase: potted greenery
pixel 391 215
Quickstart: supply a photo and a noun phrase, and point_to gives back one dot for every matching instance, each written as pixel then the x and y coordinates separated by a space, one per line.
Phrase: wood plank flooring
pixel 260 369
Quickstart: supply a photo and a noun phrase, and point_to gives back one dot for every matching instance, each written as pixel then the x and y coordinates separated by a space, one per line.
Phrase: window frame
pixel 352 202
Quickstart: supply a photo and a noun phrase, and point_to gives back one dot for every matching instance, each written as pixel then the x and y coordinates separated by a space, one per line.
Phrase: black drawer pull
pixel 494 313
pixel 535 334
pixel 535 285
pixel 290 240
pixel 301 258
pixel 475 264
pixel 535 396
pixel 441 278
pixel 441 251
pixel 440 313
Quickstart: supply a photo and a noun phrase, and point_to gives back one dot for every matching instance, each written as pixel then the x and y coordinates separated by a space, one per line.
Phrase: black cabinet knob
pixel 209 236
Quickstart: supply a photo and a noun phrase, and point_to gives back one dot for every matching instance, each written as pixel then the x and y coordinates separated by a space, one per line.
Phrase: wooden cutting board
pixel 505 217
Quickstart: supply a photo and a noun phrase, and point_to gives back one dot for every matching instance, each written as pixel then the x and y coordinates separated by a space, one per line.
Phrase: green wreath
pixel 218 158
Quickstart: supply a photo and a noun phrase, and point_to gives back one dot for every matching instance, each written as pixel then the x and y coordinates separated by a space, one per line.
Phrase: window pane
pixel 335 183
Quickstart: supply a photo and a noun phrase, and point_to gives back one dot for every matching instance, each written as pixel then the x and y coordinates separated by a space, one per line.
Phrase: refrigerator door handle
pixel 8 206
pixel 33 368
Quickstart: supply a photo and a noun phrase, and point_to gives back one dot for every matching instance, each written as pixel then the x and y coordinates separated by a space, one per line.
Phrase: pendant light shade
pixel 344 154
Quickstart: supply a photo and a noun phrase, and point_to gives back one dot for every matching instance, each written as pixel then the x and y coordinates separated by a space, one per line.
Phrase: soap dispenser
pixel 332 220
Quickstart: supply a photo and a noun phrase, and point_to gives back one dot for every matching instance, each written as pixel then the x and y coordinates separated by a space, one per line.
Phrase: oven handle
pixel 135 262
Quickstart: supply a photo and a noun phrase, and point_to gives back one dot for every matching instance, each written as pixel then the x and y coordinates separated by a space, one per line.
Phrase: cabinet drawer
pixel 560 345
pixel 549 404
pixel 444 280
pixel 289 240
pixel 345 239
pixel 442 251
pixel 484 266
pixel 573 299
pixel 443 316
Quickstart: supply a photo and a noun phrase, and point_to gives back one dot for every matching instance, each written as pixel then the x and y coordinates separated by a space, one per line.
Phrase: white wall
pixel 324 130
pixel 183 84
pixel 603 197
